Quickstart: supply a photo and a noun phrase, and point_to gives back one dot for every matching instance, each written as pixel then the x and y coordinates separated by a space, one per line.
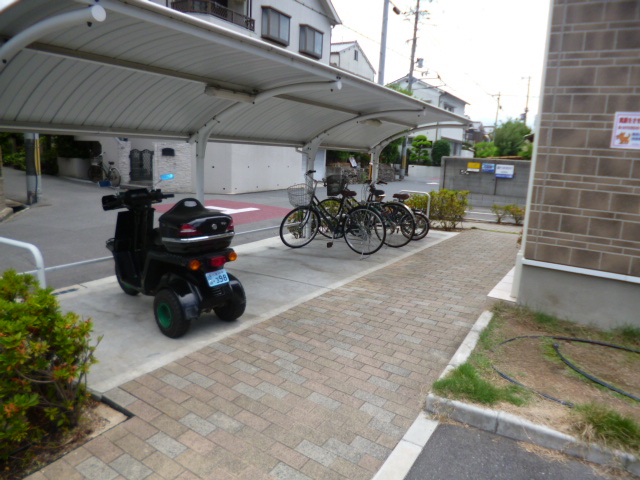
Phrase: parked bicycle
pixel 423 224
pixel 361 226
pixel 400 224
pixel 99 172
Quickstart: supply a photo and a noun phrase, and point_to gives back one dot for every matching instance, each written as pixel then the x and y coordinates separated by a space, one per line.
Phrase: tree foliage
pixel 391 153
pixel 485 150
pixel 441 148
pixel 420 151
pixel 398 88
pixel 509 137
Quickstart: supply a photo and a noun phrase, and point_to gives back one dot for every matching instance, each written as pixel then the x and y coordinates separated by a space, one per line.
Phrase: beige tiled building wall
pixel 585 208
pixel 582 245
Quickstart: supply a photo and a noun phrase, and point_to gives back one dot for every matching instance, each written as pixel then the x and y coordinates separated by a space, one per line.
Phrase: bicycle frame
pixel 333 222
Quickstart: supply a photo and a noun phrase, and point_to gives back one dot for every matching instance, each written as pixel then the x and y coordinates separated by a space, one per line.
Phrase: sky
pixel 478 48
pixel 474 49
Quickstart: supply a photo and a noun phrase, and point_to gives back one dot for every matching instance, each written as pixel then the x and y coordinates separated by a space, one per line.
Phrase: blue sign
pixel 488 167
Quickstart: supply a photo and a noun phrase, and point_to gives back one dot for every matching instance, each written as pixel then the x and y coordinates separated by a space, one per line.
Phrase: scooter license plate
pixel 218 277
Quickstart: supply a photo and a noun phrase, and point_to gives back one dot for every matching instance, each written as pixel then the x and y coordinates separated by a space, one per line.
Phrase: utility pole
pixel 383 42
pixel 383 39
pixel 32 167
pixel 526 107
pixel 405 165
pixel 497 112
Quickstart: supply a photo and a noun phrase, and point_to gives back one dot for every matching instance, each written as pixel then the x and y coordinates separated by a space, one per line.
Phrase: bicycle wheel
pixel 422 226
pixel 114 177
pixel 299 227
pixel 364 230
pixel 331 206
pixel 399 223
pixel 94 173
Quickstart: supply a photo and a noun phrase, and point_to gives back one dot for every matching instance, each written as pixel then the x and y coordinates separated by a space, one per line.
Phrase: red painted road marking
pixel 241 212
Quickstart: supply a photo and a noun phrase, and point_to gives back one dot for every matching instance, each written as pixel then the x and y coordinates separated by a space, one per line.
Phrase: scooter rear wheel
pixel 234 308
pixel 169 314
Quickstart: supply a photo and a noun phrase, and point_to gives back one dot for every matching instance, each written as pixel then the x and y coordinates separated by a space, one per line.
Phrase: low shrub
pixel 44 358
pixel 499 211
pixel 516 212
pixel 418 201
pixel 449 207
pixel 16 160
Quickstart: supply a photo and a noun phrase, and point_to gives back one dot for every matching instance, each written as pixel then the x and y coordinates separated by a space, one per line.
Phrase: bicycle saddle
pixel 401 196
pixel 348 193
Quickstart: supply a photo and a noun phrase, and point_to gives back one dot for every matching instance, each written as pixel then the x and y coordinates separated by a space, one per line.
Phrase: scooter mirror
pixel 167 176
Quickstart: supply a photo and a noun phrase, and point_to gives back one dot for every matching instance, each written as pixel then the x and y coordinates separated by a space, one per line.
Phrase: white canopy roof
pixel 135 68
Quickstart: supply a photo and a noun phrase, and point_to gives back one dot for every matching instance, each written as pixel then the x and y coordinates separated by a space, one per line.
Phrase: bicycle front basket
pixel 299 194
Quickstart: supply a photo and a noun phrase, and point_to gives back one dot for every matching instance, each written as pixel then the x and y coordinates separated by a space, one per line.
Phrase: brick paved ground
pixel 324 390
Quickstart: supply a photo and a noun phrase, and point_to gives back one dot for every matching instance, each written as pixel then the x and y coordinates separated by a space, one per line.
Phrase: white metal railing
pixel 37 256
pixel 421 193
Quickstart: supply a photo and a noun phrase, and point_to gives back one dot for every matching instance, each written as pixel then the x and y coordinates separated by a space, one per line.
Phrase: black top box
pixel 190 227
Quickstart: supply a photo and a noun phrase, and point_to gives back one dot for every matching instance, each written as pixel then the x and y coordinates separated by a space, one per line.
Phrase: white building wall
pixel 301 13
pixel 345 59
pixel 231 168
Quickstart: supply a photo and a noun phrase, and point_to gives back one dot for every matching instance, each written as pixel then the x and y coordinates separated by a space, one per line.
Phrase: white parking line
pixel 232 211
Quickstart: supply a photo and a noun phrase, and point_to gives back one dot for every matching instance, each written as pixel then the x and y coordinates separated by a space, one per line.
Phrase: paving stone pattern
pixel 324 390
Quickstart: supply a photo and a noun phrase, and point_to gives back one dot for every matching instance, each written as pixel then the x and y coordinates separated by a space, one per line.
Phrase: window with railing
pixel 275 25
pixel 214 8
pixel 311 41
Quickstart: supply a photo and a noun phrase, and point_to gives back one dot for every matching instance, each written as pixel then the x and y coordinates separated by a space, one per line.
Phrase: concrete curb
pixel 402 458
pixel 518 428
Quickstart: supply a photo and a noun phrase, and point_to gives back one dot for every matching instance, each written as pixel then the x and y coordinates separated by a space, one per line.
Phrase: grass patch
pixel 603 425
pixel 535 363
pixel 464 382
pixel 628 334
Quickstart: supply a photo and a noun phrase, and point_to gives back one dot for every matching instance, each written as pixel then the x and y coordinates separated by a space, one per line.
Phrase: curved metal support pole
pixel 390 139
pixel 201 137
pixel 201 149
pixel 50 25
pixel 208 127
pixel 375 161
pixel 360 118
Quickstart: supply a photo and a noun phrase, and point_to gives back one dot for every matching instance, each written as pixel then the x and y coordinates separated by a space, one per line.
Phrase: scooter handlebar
pixel 137 197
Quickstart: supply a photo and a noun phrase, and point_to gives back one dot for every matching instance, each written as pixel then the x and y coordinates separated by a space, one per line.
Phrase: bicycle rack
pixel 421 193
pixel 37 256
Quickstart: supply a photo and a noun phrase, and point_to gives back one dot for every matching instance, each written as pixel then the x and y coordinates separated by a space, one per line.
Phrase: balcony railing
pixel 212 8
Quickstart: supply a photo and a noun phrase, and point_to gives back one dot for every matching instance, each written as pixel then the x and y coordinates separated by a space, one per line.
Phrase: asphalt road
pixel 458 452
pixel 68 224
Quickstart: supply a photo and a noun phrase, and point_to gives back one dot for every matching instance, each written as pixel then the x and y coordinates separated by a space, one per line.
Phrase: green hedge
pixel 448 207
pixel 44 358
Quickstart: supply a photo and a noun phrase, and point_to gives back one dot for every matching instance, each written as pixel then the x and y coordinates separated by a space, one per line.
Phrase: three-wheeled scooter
pixel 181 263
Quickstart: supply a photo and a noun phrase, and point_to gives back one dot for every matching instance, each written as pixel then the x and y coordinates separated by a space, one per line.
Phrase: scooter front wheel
pixel 170 315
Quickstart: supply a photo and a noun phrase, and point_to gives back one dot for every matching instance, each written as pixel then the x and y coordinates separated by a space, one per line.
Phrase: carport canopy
pixel 132 68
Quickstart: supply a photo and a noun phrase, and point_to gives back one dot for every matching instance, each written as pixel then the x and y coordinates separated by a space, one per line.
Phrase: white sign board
pixel 626 131
pixel 505 171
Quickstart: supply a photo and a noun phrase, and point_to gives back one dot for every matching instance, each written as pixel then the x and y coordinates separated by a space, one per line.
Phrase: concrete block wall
pixel 585 209
pixel 485 188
